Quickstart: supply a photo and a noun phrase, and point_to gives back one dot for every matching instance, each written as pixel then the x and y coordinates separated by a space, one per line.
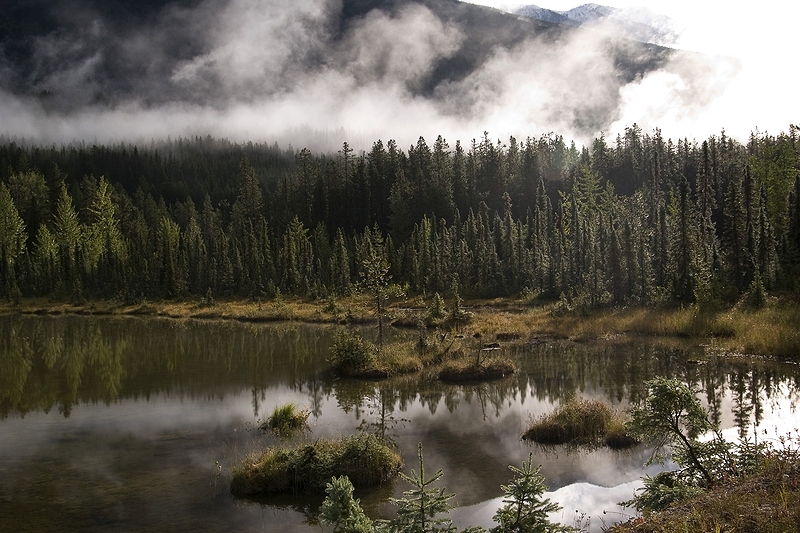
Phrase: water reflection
pixel 64 361
pixel 130 423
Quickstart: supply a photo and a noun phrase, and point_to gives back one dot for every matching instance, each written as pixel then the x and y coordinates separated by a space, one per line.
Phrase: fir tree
pixel 340 510
pixel 524 509
pixel 417 510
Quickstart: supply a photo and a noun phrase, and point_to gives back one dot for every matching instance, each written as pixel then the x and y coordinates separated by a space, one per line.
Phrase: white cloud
pixel 246 82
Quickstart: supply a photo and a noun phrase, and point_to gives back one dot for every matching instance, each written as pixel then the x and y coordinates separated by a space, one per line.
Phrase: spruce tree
pixel 417 510
pixel 340 510
pixel 524 509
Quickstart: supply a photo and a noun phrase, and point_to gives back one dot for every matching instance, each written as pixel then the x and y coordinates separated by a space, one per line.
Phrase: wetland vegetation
pixel 581 421
pixel 232 375
pixel 485 259
pixel 365 459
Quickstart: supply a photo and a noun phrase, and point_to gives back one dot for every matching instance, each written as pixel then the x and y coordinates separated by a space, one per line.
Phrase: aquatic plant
pixel 286 420
pixel 365 459
pixel 350 353
pixel 578 421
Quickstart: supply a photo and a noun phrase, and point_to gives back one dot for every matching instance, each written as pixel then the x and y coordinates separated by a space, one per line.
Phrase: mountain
pixel 199 58
pixel 636 23
pixel 546 15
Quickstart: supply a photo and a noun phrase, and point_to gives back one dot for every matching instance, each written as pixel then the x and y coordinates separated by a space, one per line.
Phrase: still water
pixel 133 424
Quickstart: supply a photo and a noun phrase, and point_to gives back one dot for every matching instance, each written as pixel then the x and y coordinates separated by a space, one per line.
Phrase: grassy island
pixel 579 421
pixel 365 459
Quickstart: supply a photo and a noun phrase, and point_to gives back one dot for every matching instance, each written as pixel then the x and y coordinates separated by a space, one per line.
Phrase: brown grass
pixel 773 330
pixel 463 371
pixel 761 503
pixel 580 421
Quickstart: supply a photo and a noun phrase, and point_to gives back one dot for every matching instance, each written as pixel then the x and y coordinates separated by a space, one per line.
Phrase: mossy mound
pixel 363 458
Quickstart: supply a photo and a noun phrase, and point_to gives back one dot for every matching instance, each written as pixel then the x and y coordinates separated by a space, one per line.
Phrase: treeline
pixel 639 220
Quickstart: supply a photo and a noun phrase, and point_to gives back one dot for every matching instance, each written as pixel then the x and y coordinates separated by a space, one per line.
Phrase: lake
pixel 133 424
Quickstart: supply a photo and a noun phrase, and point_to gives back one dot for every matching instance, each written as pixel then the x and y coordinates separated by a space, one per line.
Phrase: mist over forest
pixel 316 73
pixel 251 148
pixel 640 219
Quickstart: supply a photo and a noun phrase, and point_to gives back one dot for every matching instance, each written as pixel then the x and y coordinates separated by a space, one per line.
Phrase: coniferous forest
pixel 638 219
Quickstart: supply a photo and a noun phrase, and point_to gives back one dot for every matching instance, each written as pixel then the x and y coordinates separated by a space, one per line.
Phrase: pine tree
pixel 12 241
pixel 376 278
pixel 524 510
pixel 417 510
pixel 340 510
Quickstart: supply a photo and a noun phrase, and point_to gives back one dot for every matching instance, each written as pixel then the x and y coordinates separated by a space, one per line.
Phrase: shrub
pixel 350 353
pixel 365 459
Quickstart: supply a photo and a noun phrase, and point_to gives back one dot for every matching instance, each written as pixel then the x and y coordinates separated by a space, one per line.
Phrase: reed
pixel 580 421
pixel 286 420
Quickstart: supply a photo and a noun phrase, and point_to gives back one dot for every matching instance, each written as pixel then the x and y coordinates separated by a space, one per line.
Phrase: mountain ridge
pixel 639 24
pixel 202 57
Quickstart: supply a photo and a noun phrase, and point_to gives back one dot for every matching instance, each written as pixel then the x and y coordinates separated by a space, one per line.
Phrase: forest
pixel 636 220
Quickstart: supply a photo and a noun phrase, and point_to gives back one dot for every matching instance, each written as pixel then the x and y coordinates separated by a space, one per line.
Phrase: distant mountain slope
pixel 460 58
pixel 639 24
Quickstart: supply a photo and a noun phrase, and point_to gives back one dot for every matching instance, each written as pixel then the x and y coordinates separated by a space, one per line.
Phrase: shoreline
pixel 771 332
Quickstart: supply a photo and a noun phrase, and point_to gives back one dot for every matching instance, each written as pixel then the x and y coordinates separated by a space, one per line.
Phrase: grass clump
pixel 365 459
pixel 580 421
pixel 481 364
pixel 286 420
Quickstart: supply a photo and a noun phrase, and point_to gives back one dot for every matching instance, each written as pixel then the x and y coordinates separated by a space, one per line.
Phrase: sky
pixel 245 84
pixel 762 35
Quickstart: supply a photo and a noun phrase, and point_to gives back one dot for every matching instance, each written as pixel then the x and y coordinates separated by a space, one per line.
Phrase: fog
pixel 272 71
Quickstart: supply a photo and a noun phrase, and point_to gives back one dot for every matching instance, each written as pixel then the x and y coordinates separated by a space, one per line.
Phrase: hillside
pixel 92 54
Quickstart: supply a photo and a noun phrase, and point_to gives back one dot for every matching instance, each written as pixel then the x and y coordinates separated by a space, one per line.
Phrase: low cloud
pixel 270 71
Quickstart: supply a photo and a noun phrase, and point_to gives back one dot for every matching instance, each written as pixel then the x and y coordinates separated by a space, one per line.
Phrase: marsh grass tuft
pixel 464 366
pixel 286 420
pixel 580 421
pixel 365 459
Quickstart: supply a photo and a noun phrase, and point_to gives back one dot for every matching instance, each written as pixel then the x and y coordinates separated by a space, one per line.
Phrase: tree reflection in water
pixel 180 394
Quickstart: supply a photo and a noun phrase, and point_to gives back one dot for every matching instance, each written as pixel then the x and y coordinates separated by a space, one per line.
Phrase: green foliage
pixel 437 311
pixel 12 242
pixel 350 353
pixel 524 510
pixel 286 420
pixel 661 491
pixel 365 459
pixel 340 510
pixel 417 510
pixel 647 220
pixel 672 414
